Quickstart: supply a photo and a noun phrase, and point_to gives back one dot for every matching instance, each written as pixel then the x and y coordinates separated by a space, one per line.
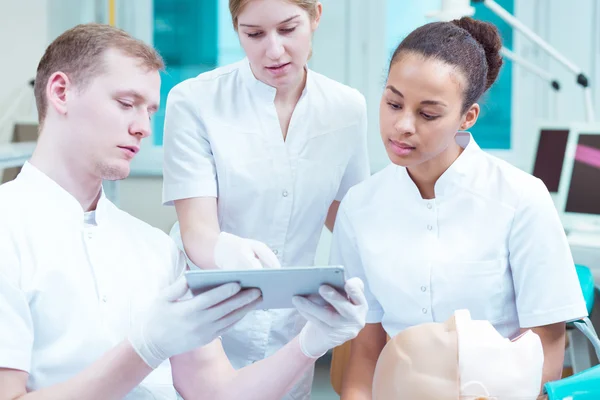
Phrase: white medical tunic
pixel 490 241
pixel 72 282
pixel 223 139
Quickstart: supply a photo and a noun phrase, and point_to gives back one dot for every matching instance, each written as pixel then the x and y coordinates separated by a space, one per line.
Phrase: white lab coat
pixel 71 282
pixel 490 241
pixel 222 139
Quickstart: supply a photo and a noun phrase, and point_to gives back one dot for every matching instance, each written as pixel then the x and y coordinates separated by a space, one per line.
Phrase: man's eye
pixel 125 104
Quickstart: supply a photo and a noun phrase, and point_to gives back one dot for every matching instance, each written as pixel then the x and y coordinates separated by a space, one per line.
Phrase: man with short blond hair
pixel 93 304
pixel 79 53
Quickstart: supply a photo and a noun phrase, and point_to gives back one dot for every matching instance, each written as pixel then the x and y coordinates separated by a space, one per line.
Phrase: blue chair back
pixel 584 385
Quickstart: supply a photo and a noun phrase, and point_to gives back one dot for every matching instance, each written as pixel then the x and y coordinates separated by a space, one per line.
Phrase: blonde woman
pixel 258 155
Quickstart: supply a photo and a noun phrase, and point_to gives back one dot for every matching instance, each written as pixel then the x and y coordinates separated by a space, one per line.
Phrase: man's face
pixel 111 115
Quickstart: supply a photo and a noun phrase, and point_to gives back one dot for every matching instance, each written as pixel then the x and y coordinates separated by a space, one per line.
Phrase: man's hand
pixel 172 326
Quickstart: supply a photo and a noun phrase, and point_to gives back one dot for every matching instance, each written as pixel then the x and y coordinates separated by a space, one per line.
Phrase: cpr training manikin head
pixel 459 359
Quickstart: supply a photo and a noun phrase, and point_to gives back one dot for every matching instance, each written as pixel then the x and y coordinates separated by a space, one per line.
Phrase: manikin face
pixel 110 115
pixel 421 110
pixel 421 362
pixel 516 370
pixel 276 36
pixel 459 359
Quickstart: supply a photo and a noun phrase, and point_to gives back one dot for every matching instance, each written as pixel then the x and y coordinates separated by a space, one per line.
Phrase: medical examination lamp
pixel 453 9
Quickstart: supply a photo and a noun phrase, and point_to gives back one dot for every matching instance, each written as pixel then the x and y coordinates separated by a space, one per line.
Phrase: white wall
pixel 141 196
pixel 65 14
pixel 22 22
pixel 570 29
pixel 350 47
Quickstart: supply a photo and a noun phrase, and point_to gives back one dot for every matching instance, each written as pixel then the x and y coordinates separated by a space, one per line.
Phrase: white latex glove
pixel 335 323
pixel 171 326
pixel 234 252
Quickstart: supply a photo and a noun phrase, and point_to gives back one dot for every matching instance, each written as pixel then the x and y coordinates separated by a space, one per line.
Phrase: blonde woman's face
pixel 276 36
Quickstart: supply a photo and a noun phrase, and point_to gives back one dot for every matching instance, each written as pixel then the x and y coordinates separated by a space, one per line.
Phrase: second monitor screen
pixel 550 157
pixel 584 190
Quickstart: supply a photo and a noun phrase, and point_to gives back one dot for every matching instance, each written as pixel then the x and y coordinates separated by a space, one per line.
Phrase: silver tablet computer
pixel 278 286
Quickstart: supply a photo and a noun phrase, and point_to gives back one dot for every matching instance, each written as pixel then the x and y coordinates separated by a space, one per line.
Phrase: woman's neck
pixel 425 175
pixel 290 94
pixel 286 100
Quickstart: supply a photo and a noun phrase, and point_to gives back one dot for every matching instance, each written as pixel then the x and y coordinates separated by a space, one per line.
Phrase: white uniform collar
pixel 260 88
pixel 452 177
pixel 54 196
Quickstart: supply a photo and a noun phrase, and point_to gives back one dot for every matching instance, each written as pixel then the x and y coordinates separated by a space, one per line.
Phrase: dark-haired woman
pixel 446 226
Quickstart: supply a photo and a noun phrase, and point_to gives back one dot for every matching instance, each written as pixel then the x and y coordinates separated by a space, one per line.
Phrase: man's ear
pixel 470 117
pixel 57 88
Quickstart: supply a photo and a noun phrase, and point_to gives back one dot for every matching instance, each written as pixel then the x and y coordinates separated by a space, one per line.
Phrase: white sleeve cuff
pixel 374 316
pixel 15 359
pixel 563 314
pixel 187 191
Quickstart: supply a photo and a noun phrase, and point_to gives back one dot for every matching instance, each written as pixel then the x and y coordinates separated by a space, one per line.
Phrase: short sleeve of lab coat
pixel 16 332
pixel 344 251
pixel 546 285
pixel 188 167
pixel 358 168
pixel 178 261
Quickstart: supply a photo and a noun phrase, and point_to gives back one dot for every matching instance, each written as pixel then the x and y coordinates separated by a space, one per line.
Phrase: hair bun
pixel 488 36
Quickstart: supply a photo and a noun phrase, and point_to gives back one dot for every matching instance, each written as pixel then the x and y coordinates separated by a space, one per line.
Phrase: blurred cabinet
pixel 186 35
pixel 185 31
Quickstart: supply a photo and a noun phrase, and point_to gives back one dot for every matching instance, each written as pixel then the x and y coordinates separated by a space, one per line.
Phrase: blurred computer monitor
pixel 22 133
pixel 550 155
pixel 579 194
